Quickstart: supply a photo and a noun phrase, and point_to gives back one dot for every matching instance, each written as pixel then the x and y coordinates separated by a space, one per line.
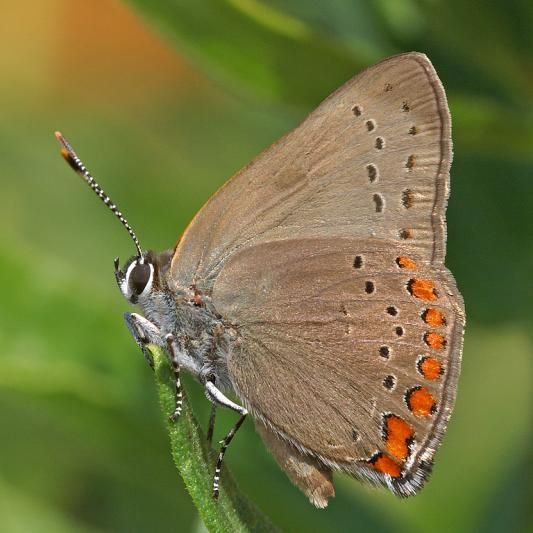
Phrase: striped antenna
pixel 75 162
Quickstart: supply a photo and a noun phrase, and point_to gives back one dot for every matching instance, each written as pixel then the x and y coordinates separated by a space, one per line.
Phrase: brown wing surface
pixel 350 350
pixel 372 159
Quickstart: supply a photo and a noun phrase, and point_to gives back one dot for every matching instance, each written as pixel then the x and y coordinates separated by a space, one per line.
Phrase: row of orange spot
pixel 397 433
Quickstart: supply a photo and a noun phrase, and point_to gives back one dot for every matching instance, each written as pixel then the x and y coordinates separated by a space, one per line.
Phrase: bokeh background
pixel 164 100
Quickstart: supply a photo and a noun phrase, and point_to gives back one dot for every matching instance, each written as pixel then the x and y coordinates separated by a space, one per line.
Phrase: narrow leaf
pixel 196 462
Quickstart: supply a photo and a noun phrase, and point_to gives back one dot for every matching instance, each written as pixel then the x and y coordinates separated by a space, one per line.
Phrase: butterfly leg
pixel 211 426
pixel 174 361
pixel 218 398
pixel 144 332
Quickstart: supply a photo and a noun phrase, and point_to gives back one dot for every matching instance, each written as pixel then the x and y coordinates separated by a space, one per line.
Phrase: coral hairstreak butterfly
pixel 313 286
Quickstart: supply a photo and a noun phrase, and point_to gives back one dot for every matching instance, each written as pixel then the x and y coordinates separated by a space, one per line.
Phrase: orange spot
pixel 420 401
pixel 386 465
pixel 405 262
pixel 430 368
pixel 424 289
pixel 398 432
pixel 435 340
pixel 434 317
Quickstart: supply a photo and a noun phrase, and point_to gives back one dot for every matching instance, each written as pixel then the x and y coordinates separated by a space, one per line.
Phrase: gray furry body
pixel 203 340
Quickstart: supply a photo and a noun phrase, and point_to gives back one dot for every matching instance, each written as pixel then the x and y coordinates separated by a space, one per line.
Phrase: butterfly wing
pixel 372 159
pixel 350 351
pixel 307 248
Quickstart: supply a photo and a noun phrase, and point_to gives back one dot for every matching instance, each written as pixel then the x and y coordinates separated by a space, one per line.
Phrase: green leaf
pixel 195 462
pixel 248 44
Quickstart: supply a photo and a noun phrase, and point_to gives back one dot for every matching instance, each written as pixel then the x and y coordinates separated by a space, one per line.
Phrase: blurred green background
pixel 164 100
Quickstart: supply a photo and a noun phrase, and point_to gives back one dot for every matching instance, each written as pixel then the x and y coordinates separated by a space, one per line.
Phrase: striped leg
pixel 218 398
pixel 176 369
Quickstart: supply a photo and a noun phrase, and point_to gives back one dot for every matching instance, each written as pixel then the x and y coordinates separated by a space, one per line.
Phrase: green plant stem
pixel 195 462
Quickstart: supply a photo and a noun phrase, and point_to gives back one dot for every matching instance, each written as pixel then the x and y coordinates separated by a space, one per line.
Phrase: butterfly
pixel 312 286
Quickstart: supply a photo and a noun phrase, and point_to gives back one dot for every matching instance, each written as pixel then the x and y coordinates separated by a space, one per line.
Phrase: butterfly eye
pixel 139 278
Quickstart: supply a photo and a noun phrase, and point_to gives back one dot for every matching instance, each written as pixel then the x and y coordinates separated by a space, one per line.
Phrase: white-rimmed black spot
pixel 372 172
pixel 389 382
pixel 370 125
pixel 384 351
pixel 358 261
pixel 379 202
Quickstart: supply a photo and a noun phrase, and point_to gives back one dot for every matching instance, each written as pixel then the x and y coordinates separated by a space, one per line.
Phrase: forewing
pixel 372 159
pixel 349 349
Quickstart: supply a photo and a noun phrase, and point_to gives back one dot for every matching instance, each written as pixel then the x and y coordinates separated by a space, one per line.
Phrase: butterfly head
pixel 139 275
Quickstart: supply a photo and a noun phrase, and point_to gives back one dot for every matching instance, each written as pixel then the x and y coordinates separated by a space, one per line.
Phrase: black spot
pixel 410 163
pixel 405 234
pixel 372 172
pixel 419 363
pixel 405 107
pixel 358 261
pixel 389 382
pixel 355 435
pixel 399 331
pixel 369 287
pixel 413 130
pixel 385 426
pixel 357 110
pixel 384 351
pixel 407 198
pixel 380 143
pixel 374 458
pixel 378 201
pixel 370 125
pixel 410 286
pixel 392 310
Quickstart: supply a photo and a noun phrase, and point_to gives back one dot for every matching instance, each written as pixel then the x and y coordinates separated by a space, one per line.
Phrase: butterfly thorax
pixel 200 332
pixel 204 340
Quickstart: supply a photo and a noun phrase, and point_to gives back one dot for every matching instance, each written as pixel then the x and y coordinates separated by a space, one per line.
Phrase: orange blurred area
pixel 97 53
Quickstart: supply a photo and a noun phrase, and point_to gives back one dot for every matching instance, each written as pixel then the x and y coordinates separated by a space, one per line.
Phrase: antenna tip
pixel 62 140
